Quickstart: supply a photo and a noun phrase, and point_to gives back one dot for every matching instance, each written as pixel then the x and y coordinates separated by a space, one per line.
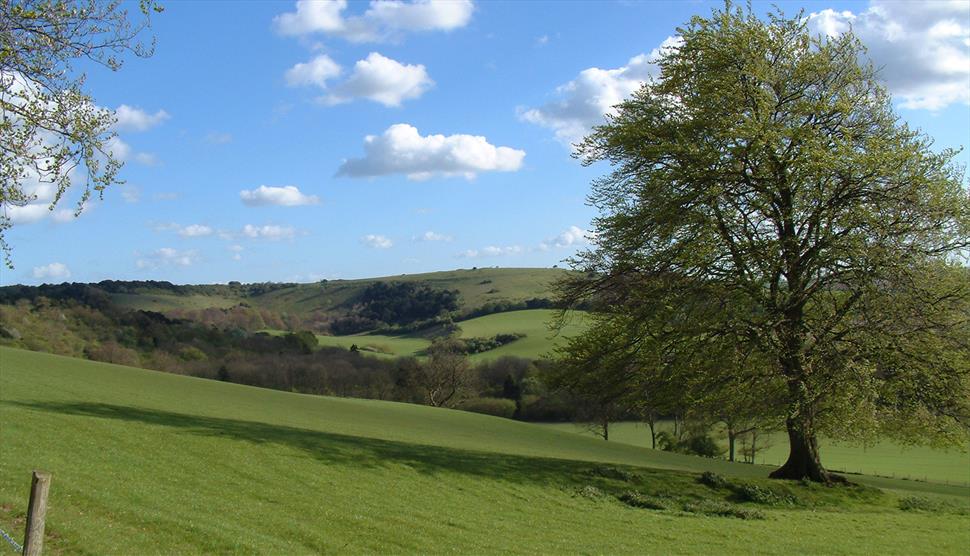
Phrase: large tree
pixel 764 193
pixel 52 134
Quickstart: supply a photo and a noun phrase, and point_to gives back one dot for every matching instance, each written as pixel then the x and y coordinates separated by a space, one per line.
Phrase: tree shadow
pixel 353 451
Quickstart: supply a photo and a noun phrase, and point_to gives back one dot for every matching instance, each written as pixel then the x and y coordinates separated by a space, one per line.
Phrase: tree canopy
pixel 52 134
pixel 766 200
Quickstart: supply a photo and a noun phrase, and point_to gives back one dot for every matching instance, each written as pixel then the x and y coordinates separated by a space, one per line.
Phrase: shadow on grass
pixel 362 452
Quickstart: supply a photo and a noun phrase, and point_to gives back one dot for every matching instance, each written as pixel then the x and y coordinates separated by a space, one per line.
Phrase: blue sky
pixel 282 141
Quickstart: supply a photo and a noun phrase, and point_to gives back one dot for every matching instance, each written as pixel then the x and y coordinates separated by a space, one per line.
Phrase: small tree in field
pixel 765 194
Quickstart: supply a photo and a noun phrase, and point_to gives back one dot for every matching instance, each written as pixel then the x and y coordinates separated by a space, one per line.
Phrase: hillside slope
pixel 476 287
pixel 147 462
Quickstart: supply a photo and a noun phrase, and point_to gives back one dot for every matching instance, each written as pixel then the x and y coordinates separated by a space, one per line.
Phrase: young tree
pixel 764 191
pixel 52 134
pixel 446 375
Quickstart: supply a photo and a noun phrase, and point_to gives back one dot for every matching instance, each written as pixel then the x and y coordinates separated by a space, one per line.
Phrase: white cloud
pixel 923 48
pixel 492 251
pixel 572 236
pixel 218 137
pixel 69 214
pixel 432 236
pixel 167 256
pixel 26 214
pixel 118 148
pixel 269 231
pixel 285 196
pixel 376 241
pixel 135 119
pixel 130 193
pixel 192 230
pixel 236 252
pixel 383 19
pixel 196 230
pixel 402 150
pixel 582 102
pixel 147 159
pixel 315 72
pixel 53 271
pixel 381 79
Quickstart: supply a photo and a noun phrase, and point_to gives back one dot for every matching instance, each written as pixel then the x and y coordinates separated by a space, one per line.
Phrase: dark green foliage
pixel 405 302
pixel 480 345
pixel 701 445
pixel 616 473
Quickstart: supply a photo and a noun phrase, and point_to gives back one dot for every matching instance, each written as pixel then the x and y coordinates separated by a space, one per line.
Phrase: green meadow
pixel 884 458
pixel 147 462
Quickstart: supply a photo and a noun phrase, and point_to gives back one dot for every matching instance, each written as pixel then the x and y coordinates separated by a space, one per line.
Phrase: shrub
pixel 722 509
pixel 713 480
pixel 665 441
pixel 917 503
pixel 589 491
pixel 499 407
pixel 701 445
pixel 637 500
pixel 761 495
pixel 609 472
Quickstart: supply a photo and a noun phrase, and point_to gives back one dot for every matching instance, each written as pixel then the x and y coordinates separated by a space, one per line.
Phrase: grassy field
pixel 379 344
pixel 885 458
pixel 539 339
pixel 148 462
pixel 534 323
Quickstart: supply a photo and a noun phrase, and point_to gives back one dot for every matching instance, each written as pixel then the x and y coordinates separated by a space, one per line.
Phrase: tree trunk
pixel 754 445
pixel 731 436
pixel 803 458
pixel 606 429
pixel 653 434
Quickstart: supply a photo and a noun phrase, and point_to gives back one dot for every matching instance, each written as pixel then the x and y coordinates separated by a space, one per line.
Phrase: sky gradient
pixel 272 141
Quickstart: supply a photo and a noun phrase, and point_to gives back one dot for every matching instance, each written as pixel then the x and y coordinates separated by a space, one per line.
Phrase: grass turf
pixel 885 458
pixel 147 462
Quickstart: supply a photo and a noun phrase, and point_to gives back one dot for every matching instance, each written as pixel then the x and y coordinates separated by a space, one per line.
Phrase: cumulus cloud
pixel 315 72
pixel 381 79
pixel 923 48
pixel 402 150
pixel 269 231
pixel 52 271
pixel 236 251
pixel 581 103
pixel 130 118
pixel 492 251
pixel 191 230
pixel 285 196
pixel 432 236
pixel 383 20
pixel 376 241
pixel 572 236
pixel 167 256
pixel 39 195
pixel 196 230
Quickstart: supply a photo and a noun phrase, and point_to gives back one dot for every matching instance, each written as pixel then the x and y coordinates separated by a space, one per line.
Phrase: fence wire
pixel 16 545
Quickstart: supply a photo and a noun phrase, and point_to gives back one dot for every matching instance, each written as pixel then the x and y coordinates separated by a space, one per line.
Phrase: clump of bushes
pixel 479 345
pixel 589 491
pixel 638 500
pixel 722 509
pixel 499 407
pixel 713 480
pixel 609 472
pixel 918 503
pixel 761 495
pixel 698 445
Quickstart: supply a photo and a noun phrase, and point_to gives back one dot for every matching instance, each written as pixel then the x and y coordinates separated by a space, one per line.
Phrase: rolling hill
pixel 148 462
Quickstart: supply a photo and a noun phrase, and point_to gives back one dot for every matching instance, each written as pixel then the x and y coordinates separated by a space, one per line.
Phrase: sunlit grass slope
pixel 147 462
pixel 539 340
pixel 884 458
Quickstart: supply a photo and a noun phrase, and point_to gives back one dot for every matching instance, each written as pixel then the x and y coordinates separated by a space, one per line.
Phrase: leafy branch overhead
pixel 52 133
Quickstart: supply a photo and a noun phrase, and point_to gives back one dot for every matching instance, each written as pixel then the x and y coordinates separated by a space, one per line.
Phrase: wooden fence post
pixel 36 513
